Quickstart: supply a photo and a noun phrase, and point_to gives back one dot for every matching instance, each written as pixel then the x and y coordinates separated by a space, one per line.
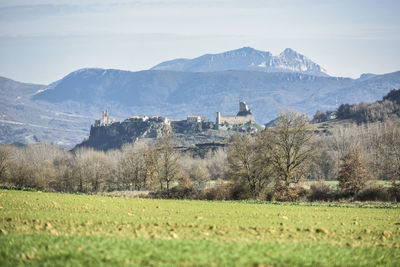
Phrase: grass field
pixel 71 230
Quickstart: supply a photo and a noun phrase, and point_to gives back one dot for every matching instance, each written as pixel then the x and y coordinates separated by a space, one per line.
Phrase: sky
pixel 42 41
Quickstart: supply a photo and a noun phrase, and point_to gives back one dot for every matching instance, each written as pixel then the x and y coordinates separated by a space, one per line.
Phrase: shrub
pixel 18 188
pixel 292 194
pixel 240 191
pixel 222 192
pixel 320 191
pixel 177 192
pixel 394 192
pixel 373 193
pixel 285 194
pixel 267 194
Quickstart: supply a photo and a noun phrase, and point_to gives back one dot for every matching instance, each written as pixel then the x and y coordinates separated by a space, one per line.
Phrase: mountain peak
pixel 246 49
pixel 248 59
pixel 289 51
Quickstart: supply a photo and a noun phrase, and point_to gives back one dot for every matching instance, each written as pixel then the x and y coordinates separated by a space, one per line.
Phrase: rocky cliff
pixel 128 131
pixel 188 136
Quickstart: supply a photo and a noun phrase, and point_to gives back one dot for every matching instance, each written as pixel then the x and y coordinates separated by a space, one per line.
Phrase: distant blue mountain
pixel 248 59
pixel 63 111
pixel 177 94
pixel 366 76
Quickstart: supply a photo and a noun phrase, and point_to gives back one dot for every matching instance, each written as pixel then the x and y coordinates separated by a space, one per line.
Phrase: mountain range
pixel 63 111
pixel 246 58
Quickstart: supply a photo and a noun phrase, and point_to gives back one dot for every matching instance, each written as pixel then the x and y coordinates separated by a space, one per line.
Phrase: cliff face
pixel 184 127
pixel 188 136
pixel 130 130
pixel 115 135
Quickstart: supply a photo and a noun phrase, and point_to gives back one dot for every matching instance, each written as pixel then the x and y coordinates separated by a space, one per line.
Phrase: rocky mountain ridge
pixel 248 59
pixel 61 113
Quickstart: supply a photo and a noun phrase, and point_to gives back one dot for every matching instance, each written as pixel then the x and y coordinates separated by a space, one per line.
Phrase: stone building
pixel 243 116
pixel 105 120
pixel 193 119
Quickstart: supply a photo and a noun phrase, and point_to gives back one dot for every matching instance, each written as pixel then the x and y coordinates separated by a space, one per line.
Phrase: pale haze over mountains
pixel 63 111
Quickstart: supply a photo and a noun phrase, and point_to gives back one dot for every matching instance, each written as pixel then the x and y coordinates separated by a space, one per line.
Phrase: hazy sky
pixel 42 41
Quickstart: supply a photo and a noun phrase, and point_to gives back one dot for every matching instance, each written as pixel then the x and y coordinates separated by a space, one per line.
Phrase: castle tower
pixel 243 109
pixel 218 119
pixel 105 114
pixel 243 106
pixel 105 120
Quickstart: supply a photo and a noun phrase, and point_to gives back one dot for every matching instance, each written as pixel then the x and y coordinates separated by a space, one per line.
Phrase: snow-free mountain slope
pixel 178 94
pixel 63 112
pixel 13 89
pixel 248 59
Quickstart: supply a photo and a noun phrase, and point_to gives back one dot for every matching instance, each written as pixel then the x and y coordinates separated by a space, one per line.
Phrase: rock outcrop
pixel 194 133
pixel 130 130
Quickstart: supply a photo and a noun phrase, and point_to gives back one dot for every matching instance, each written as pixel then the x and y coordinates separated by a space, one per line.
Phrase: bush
pixel 320 191
pixel 222 192
pixel 285 194
pixel 18 188
pixel 177 192
pixel 237 191
pixel 240 191
pixel 394 192
pixel 292 194
pixel 373 193
pixel 267 194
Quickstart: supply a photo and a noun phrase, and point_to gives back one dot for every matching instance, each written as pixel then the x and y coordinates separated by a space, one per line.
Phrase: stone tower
pixel 243 109
pixel 218 119
pixel 105 120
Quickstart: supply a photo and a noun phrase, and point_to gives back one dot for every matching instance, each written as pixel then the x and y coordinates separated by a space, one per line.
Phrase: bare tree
pixel 199 174
pixel 5 155
pixel 152 167
pixel 99 170
pixel 132 167
pixel 33 165
pixel 92 169
pixel 66 173
pixel 244 163
pixel 387 146
pixel 169 168
pixel 323 163
pixel 113 157
pixel 290 146
pixel 216 162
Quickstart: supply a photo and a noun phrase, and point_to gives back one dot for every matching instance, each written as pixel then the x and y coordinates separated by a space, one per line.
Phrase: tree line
pixel 135 167
pixel 269 165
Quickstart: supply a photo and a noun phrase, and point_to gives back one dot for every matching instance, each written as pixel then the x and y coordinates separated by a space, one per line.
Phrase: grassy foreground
pixel 60 229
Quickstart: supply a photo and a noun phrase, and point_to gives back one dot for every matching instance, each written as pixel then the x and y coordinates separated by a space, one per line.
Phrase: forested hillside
pixel 386 109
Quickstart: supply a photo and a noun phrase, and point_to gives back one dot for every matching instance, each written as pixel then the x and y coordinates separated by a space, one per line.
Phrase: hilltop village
pixel 107 133
pixel 242 117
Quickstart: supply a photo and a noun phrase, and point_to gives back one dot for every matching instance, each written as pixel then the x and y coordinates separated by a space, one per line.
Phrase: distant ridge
pixel 178 94
pixel 62 112
pixel 248 59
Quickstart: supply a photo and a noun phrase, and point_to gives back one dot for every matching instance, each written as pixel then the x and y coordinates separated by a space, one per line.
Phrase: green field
pixel 62 229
